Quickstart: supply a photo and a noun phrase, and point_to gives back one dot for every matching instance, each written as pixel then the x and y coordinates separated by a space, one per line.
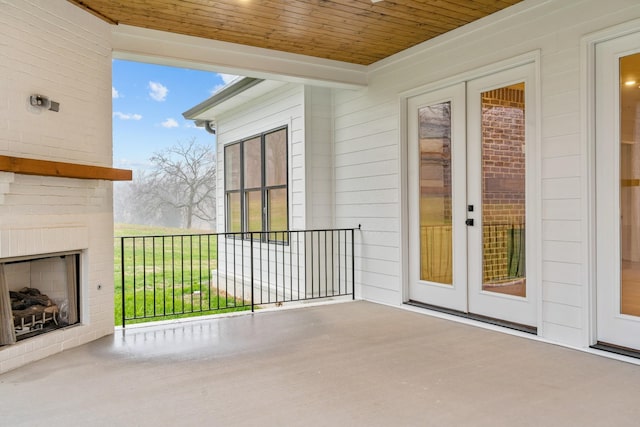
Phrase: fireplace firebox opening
pixel 38 295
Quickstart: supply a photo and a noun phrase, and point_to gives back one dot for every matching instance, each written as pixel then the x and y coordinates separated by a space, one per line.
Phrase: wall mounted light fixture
pixel 42 101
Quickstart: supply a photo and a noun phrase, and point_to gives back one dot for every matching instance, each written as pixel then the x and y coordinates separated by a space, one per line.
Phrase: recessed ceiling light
pixel 630 82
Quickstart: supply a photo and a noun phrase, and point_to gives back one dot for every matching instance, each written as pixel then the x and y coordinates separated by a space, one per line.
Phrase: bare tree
pixel 135 202
pixel 183 177
pixel 177 191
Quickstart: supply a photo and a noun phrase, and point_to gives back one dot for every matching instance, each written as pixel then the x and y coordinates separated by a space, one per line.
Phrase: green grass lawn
pixel 167 275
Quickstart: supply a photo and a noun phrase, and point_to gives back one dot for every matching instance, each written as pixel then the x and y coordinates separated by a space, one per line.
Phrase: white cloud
pixel 226 79
pixel 127 116
pixel 169 123
pixel 158 91
pixel 114 93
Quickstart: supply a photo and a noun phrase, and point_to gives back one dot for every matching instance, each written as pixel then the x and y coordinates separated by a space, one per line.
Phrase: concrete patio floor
pixel 348 364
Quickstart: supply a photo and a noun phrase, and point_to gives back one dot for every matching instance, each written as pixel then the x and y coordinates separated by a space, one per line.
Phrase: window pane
pixel 276 158
pixel 232 167
pixel 503 195
pixel 630 185
pixel 277 212
pixel 253 205
pixel 435 194
pixel 233 212
pixel 252 163
pixel 277 200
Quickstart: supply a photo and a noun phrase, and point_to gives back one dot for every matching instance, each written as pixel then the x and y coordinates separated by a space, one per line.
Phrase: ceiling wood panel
pixel 354 31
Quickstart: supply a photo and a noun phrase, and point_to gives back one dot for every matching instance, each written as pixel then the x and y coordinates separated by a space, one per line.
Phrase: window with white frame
pixel 255 184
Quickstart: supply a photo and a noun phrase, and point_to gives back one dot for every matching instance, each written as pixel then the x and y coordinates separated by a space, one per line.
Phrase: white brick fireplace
pixel 79 222
pixel 55 49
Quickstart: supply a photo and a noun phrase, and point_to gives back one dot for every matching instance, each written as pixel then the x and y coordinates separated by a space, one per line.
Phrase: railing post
pixel 251 256
pixel 122 275
pixel 353 265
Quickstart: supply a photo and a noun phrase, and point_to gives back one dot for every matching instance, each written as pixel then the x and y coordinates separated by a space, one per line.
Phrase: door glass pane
pixel 253 203
pixel 630 184
pixel 503 190
pixel 232 167
pixel 252 163
pixel 278 216
pixel 233 212
pixel 276 158
pixel 435 193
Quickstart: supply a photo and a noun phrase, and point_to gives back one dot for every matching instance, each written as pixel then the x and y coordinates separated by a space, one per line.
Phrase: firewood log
pixel 31 299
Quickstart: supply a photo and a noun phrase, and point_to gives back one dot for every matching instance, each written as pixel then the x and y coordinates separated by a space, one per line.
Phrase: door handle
pixel 469 221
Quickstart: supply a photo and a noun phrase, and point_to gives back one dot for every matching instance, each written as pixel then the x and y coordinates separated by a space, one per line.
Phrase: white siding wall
pixel 367 186
pixel 368 135
pixel 54 48
pixel 319 159
pixel 279 107
pixel 308 113
pixel 282 106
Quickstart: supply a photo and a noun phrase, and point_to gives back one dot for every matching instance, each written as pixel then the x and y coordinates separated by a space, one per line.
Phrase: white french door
pixel 469 162
pixel 437 201
pixel 618 191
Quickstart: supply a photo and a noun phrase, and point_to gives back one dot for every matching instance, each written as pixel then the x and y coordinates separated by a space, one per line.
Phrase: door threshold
pixel 611 348
pixel 485 319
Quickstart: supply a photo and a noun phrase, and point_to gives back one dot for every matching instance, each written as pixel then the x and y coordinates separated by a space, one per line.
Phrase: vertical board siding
pixel 368 138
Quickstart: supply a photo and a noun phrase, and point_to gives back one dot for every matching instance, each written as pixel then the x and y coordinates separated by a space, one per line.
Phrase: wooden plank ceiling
pixel 354 31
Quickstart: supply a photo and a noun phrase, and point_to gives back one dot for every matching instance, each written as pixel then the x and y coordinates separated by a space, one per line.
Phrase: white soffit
pixel 159 47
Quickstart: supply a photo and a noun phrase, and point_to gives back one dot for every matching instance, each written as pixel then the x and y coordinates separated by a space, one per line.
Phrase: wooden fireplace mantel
pixel 60 169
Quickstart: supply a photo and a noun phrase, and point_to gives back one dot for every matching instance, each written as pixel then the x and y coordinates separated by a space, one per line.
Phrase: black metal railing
pixel 504 257
pixel 166 277
pixel 505 247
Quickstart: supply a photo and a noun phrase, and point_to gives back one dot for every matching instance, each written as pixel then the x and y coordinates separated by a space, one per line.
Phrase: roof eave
pixel 226 93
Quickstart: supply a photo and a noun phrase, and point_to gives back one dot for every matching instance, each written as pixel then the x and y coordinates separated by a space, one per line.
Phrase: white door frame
pixel 521 310
pixel 588 140
pixel 534 266
pixel 607 326
pixel 452 295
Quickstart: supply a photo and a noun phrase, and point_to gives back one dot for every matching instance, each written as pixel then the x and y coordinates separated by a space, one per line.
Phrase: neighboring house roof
pixel 237 92
pixel 229 91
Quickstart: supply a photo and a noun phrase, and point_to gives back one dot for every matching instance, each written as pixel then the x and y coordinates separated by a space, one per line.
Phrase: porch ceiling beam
pixel 163 48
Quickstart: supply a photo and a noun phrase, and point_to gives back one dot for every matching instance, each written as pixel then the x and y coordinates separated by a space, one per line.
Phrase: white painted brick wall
pixel 53 48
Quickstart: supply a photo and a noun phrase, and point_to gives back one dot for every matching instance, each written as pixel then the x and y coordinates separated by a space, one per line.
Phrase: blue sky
pixel 148 102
